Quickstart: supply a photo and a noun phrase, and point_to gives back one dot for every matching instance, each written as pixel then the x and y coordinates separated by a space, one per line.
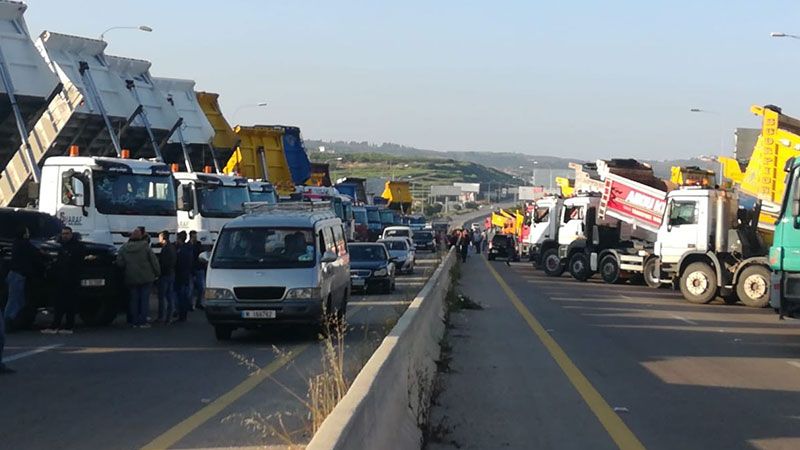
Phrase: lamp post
pixel 778 34
pixel 721 137
pixel 144 28
pixel 251 105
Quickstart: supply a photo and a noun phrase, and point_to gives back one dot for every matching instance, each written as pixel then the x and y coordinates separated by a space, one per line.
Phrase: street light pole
pixel 721 135
pixel 777 34
pixel 241 107
pixel 144 28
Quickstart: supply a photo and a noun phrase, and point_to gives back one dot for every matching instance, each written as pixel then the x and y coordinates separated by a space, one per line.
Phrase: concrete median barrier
pixel 390 396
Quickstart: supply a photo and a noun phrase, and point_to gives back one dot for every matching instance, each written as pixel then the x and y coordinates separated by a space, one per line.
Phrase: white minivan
pixel 286 263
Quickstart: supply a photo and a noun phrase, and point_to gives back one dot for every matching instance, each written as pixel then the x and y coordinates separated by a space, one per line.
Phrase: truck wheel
pixel 609 269
pixel 579 267
pixel 699 283
pixel 551 263
pixel 96 312
pixel 222 332
pixel 651 278
pixel 752 287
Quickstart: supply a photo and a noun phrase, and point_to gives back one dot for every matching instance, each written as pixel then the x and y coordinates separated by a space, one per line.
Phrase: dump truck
pixel 397 195
pixel 206 198
pixel 225 139
pixel 260 156
pixel 784 258
pixel 762 176
pixel 544 227
pixel 354 187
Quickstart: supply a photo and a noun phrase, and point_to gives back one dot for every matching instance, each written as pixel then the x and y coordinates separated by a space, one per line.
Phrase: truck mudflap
pixel 593 261
pixel 775 291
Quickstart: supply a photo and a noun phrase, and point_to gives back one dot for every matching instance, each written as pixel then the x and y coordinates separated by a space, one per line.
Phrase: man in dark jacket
pixel 166 282
pixel 141 269
pixel 198 271
pixel 68 265
pixel 184 265
pixel 24 260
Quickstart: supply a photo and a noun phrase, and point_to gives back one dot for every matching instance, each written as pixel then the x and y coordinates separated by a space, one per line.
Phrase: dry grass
pixel 326 389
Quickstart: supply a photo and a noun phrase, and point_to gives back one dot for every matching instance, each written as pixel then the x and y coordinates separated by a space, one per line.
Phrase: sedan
pixel 424 240
pixel 402 251
pixel 371 268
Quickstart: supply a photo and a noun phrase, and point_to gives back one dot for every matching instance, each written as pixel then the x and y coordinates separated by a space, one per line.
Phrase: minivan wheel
pixel 222 332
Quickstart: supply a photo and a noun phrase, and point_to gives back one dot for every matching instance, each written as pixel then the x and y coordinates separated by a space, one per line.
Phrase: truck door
pixel 74 205
pixel 572 224
pixel 679 233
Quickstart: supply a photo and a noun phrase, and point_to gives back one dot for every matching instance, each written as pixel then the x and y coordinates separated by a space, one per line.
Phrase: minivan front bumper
pixel 291 311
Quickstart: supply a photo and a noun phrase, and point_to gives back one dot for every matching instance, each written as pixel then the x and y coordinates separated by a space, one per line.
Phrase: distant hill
pixel 504 161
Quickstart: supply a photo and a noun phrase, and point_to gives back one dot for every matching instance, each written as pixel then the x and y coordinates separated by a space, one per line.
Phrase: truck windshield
pixel 373 216
pixel 222 201
pixel 133 194
pixel 387 217
pixel 264 248
pixel 261 196
pixel 360 216
pixel 338 208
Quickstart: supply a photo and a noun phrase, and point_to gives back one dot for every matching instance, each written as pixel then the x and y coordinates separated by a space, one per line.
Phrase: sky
pixel 580 79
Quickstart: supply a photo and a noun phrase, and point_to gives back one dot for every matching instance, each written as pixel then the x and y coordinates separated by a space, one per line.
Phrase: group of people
pixel 465 239
pixel 177 273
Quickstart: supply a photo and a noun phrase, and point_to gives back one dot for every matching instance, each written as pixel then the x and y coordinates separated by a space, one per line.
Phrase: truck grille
pixel 259 293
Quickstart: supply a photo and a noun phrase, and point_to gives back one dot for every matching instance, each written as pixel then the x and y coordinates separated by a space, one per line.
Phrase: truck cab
pixel 577 218
pixel 207 201
pixel 784 255
pixel 103 199
pixel 544 226
pixel 262 191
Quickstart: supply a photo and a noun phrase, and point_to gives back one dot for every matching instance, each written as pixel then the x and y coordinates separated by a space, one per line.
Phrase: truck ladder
pixel 601 211
pixel 93 93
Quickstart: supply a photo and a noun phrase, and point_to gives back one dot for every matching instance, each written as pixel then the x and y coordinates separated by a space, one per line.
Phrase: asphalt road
pixel 556 363
pixel 176 386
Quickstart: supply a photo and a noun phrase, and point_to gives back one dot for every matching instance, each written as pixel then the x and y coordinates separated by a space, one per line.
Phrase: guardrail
pixel 390 396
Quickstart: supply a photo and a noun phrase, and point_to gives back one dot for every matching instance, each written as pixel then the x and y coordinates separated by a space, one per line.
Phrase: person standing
pixel 198 272
pixel 24 259
pixel 464 243
pixel 166 282
pixel 184 263
pixel 141 269
pixel 476 241
pixel 69 262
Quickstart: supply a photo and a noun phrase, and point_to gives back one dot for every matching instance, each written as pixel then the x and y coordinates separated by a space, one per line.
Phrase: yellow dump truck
pixel 762 176
pixel 260 155
pixel 225 140
pixel 398 195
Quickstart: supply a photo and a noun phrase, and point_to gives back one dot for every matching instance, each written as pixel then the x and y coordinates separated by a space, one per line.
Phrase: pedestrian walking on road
pixel 464 243
pixel 69 262
pixel 477 240
pixel 452 241
pixel 184 264
pixel 198 272
pixel 25 259
pixel 141 269
pixel 166 282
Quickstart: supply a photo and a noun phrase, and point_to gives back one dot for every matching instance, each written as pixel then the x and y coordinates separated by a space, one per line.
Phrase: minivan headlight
pixel 218 294
pixel 380 272
pixel 303 293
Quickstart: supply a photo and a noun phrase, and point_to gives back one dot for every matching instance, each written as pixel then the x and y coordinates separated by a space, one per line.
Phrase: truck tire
pixel 579 267
pixel 649 273
pixel 552 264
pixel 97 312
pixel 609 269
pixel 699 283
pixel 752 288
pixel 222 332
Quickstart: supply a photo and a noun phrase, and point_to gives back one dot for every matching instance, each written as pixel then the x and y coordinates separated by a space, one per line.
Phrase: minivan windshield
pixel 397 233
pixel 373 252
pixel 264 248
pixel 395 245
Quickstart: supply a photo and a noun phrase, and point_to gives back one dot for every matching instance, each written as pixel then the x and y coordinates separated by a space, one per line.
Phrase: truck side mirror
pixel 185 198
pixel 204 257
pixel 79 192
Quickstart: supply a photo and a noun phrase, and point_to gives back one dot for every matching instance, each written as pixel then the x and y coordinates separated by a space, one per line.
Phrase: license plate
pixel 96 282
pixel 265 314
pixel 359 281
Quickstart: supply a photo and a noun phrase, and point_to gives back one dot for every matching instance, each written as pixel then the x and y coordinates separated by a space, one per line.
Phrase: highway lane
pixel 678 375
pixel 176 386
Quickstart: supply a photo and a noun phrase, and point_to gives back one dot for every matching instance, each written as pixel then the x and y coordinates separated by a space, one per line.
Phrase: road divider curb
pixel 390 396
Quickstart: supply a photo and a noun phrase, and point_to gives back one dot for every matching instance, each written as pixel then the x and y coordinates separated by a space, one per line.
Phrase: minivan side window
pixel 330 243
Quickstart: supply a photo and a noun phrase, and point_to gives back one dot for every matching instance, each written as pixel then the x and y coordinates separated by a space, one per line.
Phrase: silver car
pixel 282 265
pixel 402 252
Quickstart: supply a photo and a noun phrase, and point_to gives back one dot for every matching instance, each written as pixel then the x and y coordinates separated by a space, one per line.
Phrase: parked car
pixel 503 246
pixel 402 252
pixel 424 240
pixel 371 268
pixel 285 267
pixel 101 295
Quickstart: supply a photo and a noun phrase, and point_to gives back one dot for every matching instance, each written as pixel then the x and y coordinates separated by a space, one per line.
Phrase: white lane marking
pixel 794 363
pixel 379 303
pixel 35 351
pixel 690 322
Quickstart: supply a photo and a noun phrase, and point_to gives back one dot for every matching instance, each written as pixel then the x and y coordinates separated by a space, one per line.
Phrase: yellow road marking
pixel 179 431
pixel 615 427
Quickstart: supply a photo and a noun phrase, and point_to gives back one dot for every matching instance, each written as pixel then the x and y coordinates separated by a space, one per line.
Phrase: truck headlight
pixel 218 294
pixel 303 293
pixel 380 272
